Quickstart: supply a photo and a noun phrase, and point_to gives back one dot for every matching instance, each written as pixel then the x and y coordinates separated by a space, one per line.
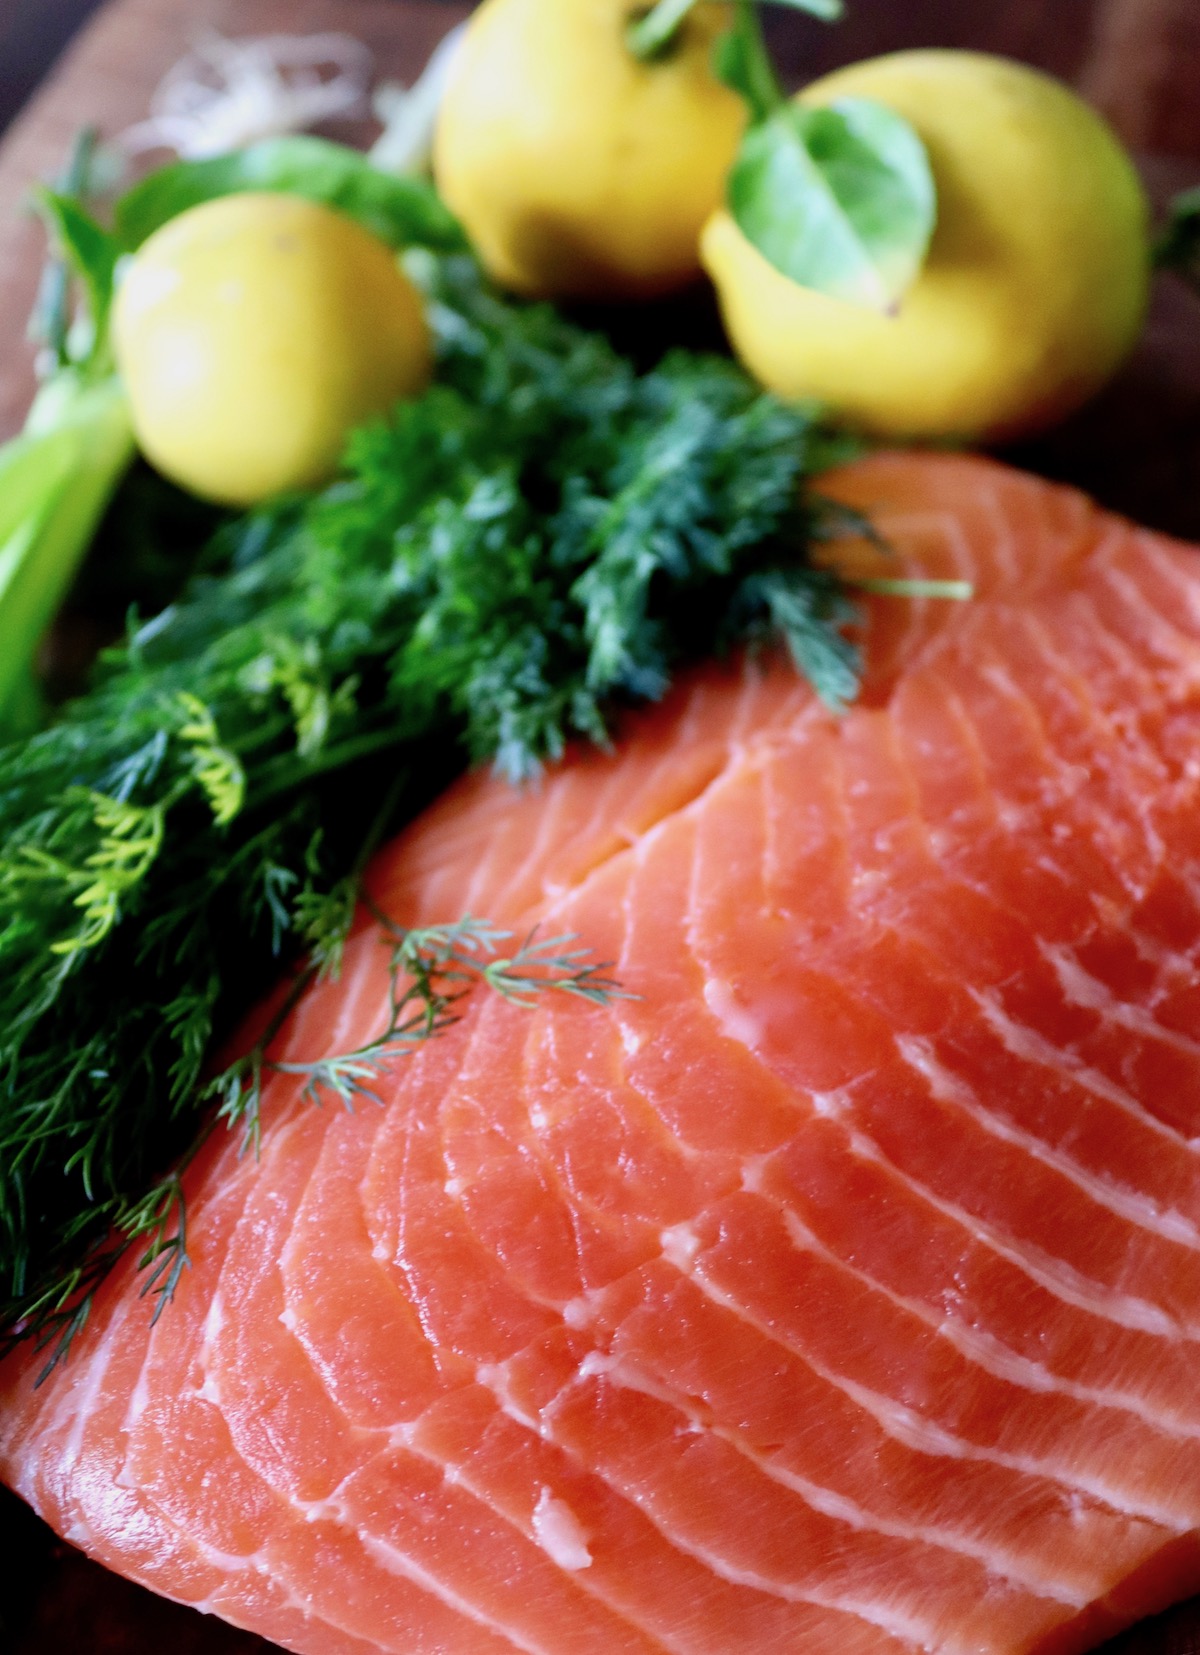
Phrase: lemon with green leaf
pixel 578 167
pixel 1033 286
pixel 253 332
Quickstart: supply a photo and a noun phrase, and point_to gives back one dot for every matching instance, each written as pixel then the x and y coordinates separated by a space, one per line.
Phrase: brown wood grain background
pixel 1137 448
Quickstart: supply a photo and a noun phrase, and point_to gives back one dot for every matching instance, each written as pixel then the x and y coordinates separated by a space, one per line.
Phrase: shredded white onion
pixel 228 93
pixel 409 113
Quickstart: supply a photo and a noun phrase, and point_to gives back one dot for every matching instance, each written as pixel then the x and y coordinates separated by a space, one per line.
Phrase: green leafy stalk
pixel 653 32
pixel 92 254
pixel 50 323
pixel 538 541
pixel 58 476
pixel 743 62
pixel 56 479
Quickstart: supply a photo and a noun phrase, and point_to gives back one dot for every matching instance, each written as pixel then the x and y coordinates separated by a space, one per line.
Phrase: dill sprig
pixel 540 539
pixel 430 970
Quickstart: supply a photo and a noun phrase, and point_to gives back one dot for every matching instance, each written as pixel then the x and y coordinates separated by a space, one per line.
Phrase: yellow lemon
pixel 1036 280
pixel 576 169
pixel 253 333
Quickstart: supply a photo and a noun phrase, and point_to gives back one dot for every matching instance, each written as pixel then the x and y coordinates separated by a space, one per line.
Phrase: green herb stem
pixel 56 479
pixel 49 326
pixel 651 34
pixel 959 591
pixel 286 774
pixel 743 61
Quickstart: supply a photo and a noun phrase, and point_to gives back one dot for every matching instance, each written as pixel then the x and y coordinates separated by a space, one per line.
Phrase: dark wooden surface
pixel 1137 448
pixel 32 33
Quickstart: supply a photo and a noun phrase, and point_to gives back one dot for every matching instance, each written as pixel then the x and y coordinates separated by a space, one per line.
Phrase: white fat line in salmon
pixel 924 1436
pixel 1081 989
pixel 1123 1202
pixel 1032 1047
pixel 1053 1274
pixel 626 1374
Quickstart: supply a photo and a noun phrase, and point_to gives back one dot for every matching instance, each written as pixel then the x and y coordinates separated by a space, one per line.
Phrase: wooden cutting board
pixel 1137 448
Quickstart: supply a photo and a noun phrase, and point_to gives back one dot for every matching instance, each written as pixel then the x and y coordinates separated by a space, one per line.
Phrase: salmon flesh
pixel 837 1292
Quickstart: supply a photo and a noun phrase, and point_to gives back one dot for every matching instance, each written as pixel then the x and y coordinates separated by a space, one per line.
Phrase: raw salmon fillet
pixel 840 1295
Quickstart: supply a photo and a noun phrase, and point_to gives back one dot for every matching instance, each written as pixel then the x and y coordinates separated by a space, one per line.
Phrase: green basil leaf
pixel 88 249
pixel 840 199
pixel 404 212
